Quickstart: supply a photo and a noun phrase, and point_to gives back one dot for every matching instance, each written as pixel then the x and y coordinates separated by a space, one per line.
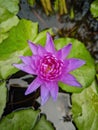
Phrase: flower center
pixel 50 67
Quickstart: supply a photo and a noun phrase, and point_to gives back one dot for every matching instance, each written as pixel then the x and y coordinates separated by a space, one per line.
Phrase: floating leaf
pixel 94 8
pixel 43 124
pixel 3 95
pixel 16 45
pixel 8 8
pixel 85 74
pixel 6 26
pixel 19 120
pixel 26 119
pixel 8 18
pixel 85 108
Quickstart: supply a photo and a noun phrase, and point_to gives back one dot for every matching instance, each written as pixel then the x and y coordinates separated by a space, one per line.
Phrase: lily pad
pixel 43 124
pixel 94 9
pixel 3 96
pixel 8 18
pixel 16 45
pixel 85 74
pixel 6 26
pixel 27 119
pixel 85 108
pixel 8 8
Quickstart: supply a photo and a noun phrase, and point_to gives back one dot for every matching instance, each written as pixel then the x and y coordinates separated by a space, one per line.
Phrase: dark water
pixel 83 27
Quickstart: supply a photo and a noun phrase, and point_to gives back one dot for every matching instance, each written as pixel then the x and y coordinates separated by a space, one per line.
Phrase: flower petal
pixel 70 80
pixel 50 44
pixel 35 60
pixel 25 68
pixel 33 47
pixel 37 49
pixel 44 94
pixel 26 59
pixel 74 64
pixel 53 89
pixel 41 50
pixel 33 86
pixel 63 53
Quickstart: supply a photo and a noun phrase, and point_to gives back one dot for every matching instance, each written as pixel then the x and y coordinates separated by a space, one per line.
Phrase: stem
pixel 56 5
pixel 47 6
pixel 72 15
pixel 48 3
pixel 63 7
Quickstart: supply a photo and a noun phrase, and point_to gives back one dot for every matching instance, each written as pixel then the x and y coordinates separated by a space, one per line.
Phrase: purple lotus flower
pixel 50 66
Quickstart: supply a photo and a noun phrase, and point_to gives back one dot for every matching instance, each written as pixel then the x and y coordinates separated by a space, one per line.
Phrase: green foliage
pixel 8 18
pixel 16 45
pixel 3 96
pixel 85 108
pixel 31 2
pixel 8 8
pixel 85 74
pixel 26 119
pixel 94 8
pixel 6 26
pixel 43 124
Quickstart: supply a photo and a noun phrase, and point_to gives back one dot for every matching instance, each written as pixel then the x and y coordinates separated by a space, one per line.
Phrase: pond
pixel 69 23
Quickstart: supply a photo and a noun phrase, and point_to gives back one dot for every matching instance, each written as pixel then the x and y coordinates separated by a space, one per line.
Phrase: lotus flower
pixel 50 66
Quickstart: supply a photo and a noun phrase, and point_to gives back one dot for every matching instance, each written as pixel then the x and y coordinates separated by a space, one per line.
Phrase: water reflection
pixel 59 112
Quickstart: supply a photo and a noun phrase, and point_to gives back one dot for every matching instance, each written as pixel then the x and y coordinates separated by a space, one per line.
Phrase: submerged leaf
pixel 85 108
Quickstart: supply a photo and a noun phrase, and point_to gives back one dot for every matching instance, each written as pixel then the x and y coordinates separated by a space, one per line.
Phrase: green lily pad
pixel 8 18
pixel 8 8
pixel 94 8
pixel 16 45
pixel 26 119
pixel 85 74
pixel 85 108
pixel 3 36
pixel 3 96
pixel 43 124
pixel 6 26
